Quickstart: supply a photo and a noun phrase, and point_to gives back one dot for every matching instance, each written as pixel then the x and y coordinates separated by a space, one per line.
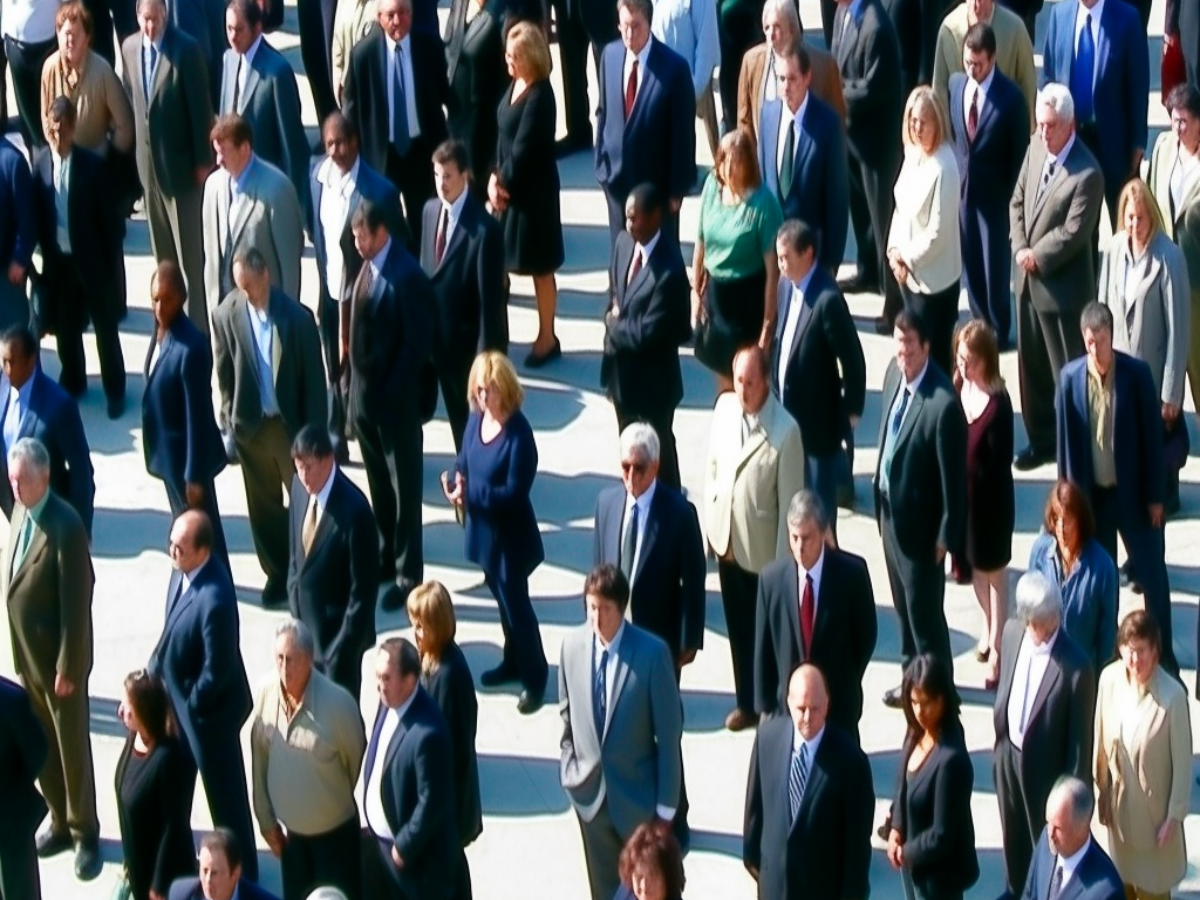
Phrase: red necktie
pixel 807 605
pixel 631 89
pixel 973 116
pixel 439 241
pixel 636 266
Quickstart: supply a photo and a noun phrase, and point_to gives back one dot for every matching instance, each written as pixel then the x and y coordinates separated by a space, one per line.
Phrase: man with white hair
pixel 1043 717
pixel 1066 854
pixel 1052 220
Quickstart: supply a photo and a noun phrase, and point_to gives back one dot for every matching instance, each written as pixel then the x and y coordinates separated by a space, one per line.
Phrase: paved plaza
pixel 530 847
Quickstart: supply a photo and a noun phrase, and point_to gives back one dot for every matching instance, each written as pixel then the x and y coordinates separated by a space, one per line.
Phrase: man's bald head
pixel 191 540
pixel 808 700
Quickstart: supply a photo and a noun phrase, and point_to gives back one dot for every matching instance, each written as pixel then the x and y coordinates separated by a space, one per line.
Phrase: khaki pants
pixel 67 779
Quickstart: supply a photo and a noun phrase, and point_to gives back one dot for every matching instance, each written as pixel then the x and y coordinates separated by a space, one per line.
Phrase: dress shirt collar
pixel 400 711
pixel 23 392
pixel 1069 864
pixel 332 178
pixel 405 44
pixel 380 259
pixel 641 57
pixel 1045 647
pixel 612 646
pixel 647 248
pixel 985 85
pixel 813 744
pixel 323 493
pixel 147 44
pixel 801 287
pixel 798 115
pixel 1082 12
pixel 249 55
pixel 1062 154
pixel 642 503
pixel 814 572
pixel 35 511
pixel 915 384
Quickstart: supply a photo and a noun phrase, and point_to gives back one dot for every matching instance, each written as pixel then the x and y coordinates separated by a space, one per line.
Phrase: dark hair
pixel 981 38
pixel 1185 97
pixel 223 840
pixel 248 10
pixel 1096 317
pixel 251 258
pixel 168 275
pixel 911 322
pixel 403 655
pixel 452 150
pixel 796 236
pixel 1068 500
pixel 347 127
pixel 609 582
pixel 148 696
pixel 647 198
pixel 21 336
pixel 372 215
pixel 931 676
pixel 312 442
pixel 1140 625
pixel 799 52
pixel 232 128
pixel 62 111
pixel 653 846
pixel 645 7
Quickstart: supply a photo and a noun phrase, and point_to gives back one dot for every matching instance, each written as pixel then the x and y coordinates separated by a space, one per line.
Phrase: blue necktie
pixel 400 136
pixel 148 74
pixel 898 418
pixel 1082 73
pixel 600 700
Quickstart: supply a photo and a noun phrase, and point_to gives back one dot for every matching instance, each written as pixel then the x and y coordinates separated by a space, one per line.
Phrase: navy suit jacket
pixel 1122 82
pixel 658 143
pixel 179 433
pixel 18 225
pixel 189 888
pixel 1137 434
pixel 23 751
pixel 53 418
pixel 1096 878
pixel 991 164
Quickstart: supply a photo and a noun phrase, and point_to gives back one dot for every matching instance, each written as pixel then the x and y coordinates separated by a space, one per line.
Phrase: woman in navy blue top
pixel 491 483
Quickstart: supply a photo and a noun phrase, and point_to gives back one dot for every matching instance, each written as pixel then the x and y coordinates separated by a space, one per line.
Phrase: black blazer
pixel 1096 878
pixel 470 311
pixel 640 367
pixel 844 635
pixel 932 812
pixel 826 377
pixel 23 750
pixel 453 689
pixel 667 596
pixel 990 164
pixel 868 57
pixel 825 854
pixel 365 93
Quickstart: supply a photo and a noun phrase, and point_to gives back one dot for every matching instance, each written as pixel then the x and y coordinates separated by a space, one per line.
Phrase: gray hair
pixel 33 453
pixel 1096 317
pixel 1057 97
pixel 251 259
pixel 806 506
pixel 1076 794
pixel 1038 599
pixel 787 11
pixel 642 438
pixel 143 5
pixel 326 893
pixel 300 634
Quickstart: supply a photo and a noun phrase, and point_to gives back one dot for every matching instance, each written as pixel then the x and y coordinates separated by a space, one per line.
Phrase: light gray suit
pixel 267 218
pixel 172 127
pixel 617 780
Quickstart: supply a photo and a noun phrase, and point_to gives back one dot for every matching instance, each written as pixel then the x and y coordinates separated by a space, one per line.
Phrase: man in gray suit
pixel 258 84
pixel 621 763
pixel 1053 217
pixel 166 78
pixel 272 384
pixel 248 203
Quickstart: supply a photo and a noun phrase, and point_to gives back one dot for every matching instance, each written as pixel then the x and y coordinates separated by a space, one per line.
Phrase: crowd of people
pixel 435 179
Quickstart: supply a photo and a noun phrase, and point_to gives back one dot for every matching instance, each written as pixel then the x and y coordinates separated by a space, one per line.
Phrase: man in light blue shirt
pixel 689 27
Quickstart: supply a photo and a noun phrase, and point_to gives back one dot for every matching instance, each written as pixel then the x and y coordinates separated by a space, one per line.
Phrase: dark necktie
pixel 898 418
pixel 973 117
pixel 1047 177
pixel 439 241
pixel 635 266
pixel 237 83
pixel 600 698
pixel 400 136
pixel 787 164
pixel 1083 72
pixel 629 544
pixel 808 605
pixel 798 779
pixel 1056 881
pixel 631 89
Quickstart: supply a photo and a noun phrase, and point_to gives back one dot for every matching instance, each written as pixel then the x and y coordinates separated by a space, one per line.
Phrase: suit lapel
pixel 1049 682
pixel 649 537
pixel 458 238
pixel 792 590
pixel 158 76
pixel 279 327
pixel 10 552
pixel 910 417
pixel 625 659
pixel 249 199
pixel 373 748
pixel 397 739
pixel 326 524
pixel 185 599
pixel 816 779
pixel 252 78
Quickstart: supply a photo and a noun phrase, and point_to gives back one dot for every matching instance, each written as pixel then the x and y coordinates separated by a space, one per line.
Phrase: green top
pixel 736 238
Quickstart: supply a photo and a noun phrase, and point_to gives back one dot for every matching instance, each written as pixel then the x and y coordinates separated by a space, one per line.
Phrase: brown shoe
pixel 740 720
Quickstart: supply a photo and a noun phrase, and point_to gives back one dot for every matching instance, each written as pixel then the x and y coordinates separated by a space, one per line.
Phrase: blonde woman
pixel 923 250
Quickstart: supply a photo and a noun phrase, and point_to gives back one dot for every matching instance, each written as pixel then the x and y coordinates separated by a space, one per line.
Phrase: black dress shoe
pixel 884 326
pixel 498 676
pixel 856 285
pixel 116 407
pixel 51 843
pixel 536 361
pixel 1029 459
pixel 529 703
pixel 396 594
pixel 891 698
pixel 87 860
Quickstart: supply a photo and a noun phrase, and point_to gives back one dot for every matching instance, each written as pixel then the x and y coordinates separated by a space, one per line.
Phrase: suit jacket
pixel 924 227
pixel 635 764
pixel 333 589
pixel 825 381
pixel 365 93
pixel 1096 878
pixel 23 750
pixel 1058 228
pixel 453 690
pixel 666 594
pixel 53 418
pixel 989 165
pixel 820 192
pixel 640 367
pixel 18 229
pixel 179 434
pixel 469 294
pixel 1154 323
pixel 826 83
pixel 189 888
pixel 928 478
pixel 1181 222
pixel 1014 55
pixel 50 597
pixel 296 366
pixel 658 143
pixel 172 124
pixel 843 637
pixel 824 853
pixel 868 56
pixel 748 486
pixel 1137 434
pixel 268 219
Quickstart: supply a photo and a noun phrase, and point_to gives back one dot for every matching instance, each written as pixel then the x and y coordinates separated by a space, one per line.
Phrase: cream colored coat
pixel 925 219
pixel 748 487
pixel 1147 781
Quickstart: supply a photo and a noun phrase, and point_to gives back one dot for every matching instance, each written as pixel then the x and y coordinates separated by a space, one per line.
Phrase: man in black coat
pixel 23 751
pixel 580 24
pixel 809 803
pixel 179 434
pixel 646 321
pixel 80 235
pixel 1043 717
pixel 816 607
pixel 462 252
pixel 333 574
pixel 408 787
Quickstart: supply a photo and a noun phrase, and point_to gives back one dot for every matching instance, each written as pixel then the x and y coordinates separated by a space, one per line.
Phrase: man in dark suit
pixel 816 607
pixel 411 847
pixel 1053 218
pixel 645 123
pixel 36 407
pixel 868 56
pixel 166 76
pixel 818 370
pixel 1066 854
pixel 80 235
pixel 179 434
pixel 315 21
pixel 23 751
pixel 204 22
pixel 48 581
pixel 580 24
pixel 646 321
pixel 221 872
pixel 462 252
pixel 395 91
pixel 18 234
pixel 988 124
pixel 1110 444
pixel 391 333
pixel 1043 718
pixel 199 659
pixel 920 491
pixel 809 802
pixel 333 572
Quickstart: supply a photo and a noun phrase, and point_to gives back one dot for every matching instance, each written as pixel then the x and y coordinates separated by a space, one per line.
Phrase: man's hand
pixel 396 857
pixel 1027 261
pixel 1157 515
pixel 1166 833
pixel 276 840
pixel 1170 412
pixel 686 658
pixel 16 274
pixel 63 686
pixel 939 553
pixel 194 493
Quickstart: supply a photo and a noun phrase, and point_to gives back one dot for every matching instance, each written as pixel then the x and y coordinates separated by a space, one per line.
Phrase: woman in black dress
pixel 524 188
pixel 991 506
pixel 447 677
pixel 154 797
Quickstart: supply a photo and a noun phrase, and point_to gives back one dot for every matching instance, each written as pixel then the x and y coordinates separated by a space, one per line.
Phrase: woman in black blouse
pixel 154 797
pixel 932 840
